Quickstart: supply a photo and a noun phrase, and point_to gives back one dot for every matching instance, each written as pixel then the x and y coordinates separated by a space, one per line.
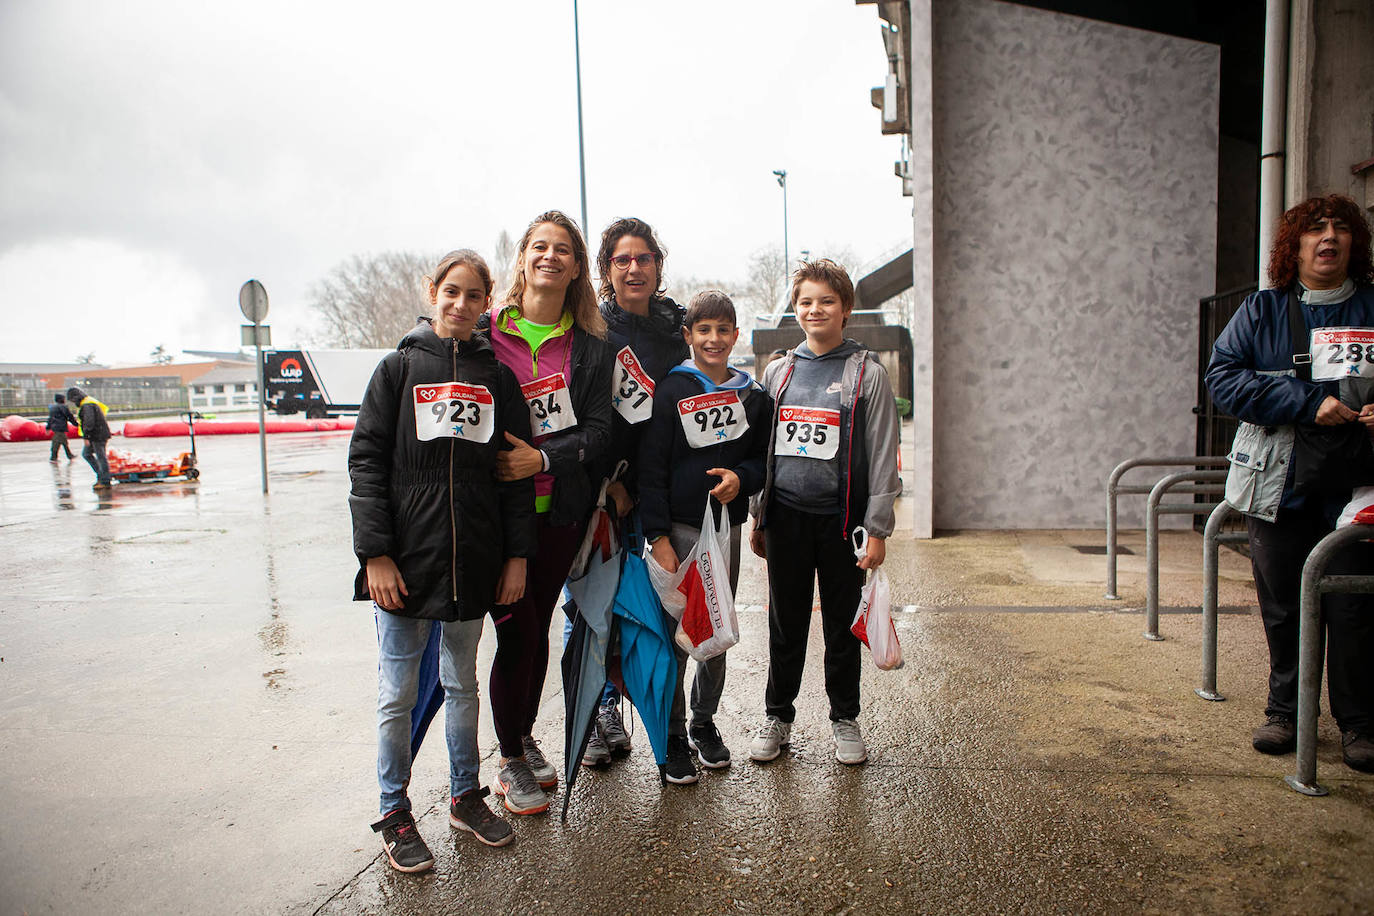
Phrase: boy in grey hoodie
pixel 832 467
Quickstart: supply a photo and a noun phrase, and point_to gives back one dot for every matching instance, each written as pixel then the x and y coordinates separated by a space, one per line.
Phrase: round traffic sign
pixel 253 301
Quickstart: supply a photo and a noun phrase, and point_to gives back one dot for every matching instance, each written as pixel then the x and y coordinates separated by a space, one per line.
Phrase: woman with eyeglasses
pixel 644 329
pixel 551 335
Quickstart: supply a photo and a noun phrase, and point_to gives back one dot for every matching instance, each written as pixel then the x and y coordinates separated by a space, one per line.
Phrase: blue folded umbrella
pixel 647 661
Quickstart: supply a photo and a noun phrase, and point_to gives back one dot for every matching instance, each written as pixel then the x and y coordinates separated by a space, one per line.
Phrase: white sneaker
pixel 849 742
pixel 767 744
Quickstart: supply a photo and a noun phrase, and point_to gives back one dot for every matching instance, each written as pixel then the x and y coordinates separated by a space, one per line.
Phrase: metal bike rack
pixel 1212 539
pixel 1114 488
pixel 1207 482
pixel 1316 583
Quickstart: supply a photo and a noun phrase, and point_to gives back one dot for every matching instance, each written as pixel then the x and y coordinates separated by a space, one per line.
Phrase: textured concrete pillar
pixel 922 473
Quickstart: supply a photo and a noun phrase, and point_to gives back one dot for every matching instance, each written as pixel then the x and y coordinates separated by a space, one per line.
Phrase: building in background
pixel 1083 175
pixel 224 387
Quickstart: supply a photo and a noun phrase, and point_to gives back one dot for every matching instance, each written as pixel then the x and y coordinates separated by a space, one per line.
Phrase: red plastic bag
pixel 698 595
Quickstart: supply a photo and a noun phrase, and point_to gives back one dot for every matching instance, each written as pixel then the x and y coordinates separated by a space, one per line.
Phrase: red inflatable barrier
pixel 15 428
pixel 139 429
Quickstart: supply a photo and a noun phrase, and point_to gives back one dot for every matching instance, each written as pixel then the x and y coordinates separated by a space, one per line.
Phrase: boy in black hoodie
pixel 707 437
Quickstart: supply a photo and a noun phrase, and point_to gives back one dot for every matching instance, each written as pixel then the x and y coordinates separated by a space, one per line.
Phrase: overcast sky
pixel 155 155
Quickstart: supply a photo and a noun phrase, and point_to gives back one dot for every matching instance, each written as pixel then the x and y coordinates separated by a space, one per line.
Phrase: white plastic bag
pixel 698 595
pixel 873 620
pixel 1360 509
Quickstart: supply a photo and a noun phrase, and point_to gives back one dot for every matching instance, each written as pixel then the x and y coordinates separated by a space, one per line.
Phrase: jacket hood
pixel 665 316
pixel 423 337
pixel 739 380
pixel 844 349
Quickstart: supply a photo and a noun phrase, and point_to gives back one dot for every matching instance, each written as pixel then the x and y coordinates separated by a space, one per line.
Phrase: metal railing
pixel 1316 583
pixel 1115 488
pixel 1212 538
pixel 1203 482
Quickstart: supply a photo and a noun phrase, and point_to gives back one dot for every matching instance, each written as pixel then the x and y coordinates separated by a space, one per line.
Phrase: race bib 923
pixel 1342 352
pixel 454 410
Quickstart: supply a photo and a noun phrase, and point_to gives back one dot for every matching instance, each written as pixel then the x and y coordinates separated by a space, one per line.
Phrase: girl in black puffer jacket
pixel 437 537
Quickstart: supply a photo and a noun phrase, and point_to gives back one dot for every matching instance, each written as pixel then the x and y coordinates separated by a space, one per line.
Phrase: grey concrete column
pixel 923 329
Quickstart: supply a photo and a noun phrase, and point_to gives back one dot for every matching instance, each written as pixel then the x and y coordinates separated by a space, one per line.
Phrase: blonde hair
pixel 580 299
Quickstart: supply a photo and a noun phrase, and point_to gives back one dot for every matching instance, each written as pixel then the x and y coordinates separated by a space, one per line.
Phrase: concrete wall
pixel 1333 78
pixel 1074 228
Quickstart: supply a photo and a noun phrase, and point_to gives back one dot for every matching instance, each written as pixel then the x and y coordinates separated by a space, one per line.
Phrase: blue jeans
pixel 94 453
pixel 400 644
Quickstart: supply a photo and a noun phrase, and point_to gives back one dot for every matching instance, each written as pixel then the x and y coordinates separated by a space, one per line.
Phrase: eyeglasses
pixel 622 261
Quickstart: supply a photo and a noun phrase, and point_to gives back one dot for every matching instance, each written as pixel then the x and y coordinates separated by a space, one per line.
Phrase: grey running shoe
pixel 597 752
pixel 769 741
pixel 681 769
pixel 521 790
pixel 705 740
pixel 539 765
pixel 849 742
pixel 405 849
pixel 613 729
pixel 468 812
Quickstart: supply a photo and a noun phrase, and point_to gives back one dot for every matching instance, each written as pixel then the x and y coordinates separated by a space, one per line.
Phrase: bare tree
pixel 86 359
pixel 766 283
pixel 160 356
pixel 371 301
pixel 502 265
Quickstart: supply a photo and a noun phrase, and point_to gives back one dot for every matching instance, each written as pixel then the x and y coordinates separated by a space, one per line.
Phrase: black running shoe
pixel 404 847
pixel 468 812
pixel 681 769
pixel 705 740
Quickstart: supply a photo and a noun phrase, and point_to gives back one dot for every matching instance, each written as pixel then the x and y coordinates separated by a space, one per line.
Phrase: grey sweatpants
pixel 709 682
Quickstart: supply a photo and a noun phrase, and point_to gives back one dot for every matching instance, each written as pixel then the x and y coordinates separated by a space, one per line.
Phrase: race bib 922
pixel 709 419
pixel 1342 352
pixel 454 410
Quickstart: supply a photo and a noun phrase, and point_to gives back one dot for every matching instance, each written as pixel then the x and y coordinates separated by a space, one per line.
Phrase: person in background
pixel 60 416
pixel 1321 274
pixel 95 430
pixel 644 330
pixel 832 467
pixel 708 438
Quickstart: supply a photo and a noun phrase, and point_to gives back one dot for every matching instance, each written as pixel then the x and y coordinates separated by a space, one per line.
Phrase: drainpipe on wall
pixel 1273 126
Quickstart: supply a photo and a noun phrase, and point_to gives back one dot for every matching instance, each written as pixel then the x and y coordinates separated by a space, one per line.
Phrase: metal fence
pixel 118 394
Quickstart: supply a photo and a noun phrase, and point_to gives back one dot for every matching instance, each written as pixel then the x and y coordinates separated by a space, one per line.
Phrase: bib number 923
pixel 454 411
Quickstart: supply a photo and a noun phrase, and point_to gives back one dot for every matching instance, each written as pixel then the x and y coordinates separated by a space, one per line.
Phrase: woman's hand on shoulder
pixel 384 583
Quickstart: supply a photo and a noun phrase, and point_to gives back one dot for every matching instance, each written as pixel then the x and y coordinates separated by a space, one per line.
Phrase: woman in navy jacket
pixel 1321 263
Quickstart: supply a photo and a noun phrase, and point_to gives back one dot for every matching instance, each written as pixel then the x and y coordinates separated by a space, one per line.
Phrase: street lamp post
pixel 782 183
pixel 581 157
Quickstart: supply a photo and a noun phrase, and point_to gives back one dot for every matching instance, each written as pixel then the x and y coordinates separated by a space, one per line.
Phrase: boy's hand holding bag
pixel 698 595
pixel 873 622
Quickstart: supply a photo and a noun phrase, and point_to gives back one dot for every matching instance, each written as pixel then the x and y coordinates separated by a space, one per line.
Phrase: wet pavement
pixel 187 726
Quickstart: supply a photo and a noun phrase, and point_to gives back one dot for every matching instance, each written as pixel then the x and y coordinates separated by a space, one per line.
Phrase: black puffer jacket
pixel 435 506
pixel 656 340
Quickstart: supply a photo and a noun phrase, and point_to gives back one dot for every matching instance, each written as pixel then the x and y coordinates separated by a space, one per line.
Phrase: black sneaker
pixel 705 740
pixel 1357 750
pixel 613 729
pixel 682 769
pixel 404 847
pixel 1278 735
pixel 468 812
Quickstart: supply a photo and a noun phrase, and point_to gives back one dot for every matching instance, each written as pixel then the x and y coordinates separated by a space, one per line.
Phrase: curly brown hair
pixel 1283 256
pixel 580 299
pixel 612 236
